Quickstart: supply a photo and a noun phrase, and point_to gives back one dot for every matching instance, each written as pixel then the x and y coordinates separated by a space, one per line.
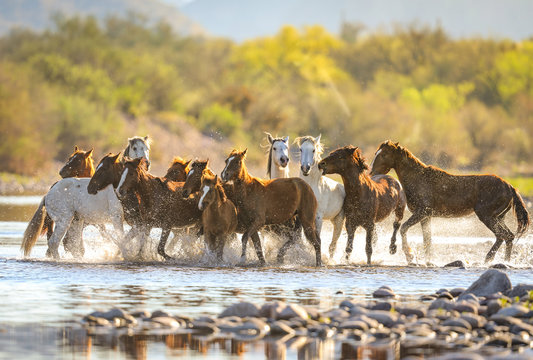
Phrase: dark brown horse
pixel 161 203
pixel 262 202
pixel 79 164
pixel 219 215
pixel 432 192
pixel 109 171
pixel 368 200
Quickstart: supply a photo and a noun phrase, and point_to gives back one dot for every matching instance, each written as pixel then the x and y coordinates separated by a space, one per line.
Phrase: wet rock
pixel 357 335
pixel 160 313
pixel 469 297
pixel 203 327
pixel 293 311
pixel 457 291
pixel 384 292
pixel 500 266
pixel 465 306
pixel 456 263
pixel 253 326
pixel 427 297
pixel 490 282
pixel 505 320
pixel 518 341
pixel 271 310
pixel 493 306
pixel 354 325
pixel 515 310
pixel 166 321
pixel 457 322
pixel 141 314
pixel 386 306
pixel 241 309
pixel 475 321
pixel 372 324
pixel 92 320
pixel 445 295
pixel 442 304
pixel 337 314
pixel 207 319
pixel 519 290
pixel 501 340
pixel 312 312
pixel 280 328
pixel 419 312
pixel 386 318
pixel 521 327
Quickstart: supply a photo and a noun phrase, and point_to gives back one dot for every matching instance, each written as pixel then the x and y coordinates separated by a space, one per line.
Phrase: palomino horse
pixel 161 203
pixel 368 200
pixel 264 202
pixel 109 171
pixel 69 198
pixel 219 215
pixel 434 192
pixel 329 193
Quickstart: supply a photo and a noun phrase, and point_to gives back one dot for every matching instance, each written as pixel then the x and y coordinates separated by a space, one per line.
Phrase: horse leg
pixel 220 242
pixel 502 233
pixel 75 243
pixel 293 237
pixel 350 229
pixel 258 249
pixel 244 242
pixel 60 230
pixel 162 242
pixel 413 220
pixel 426 236
pixel 337 222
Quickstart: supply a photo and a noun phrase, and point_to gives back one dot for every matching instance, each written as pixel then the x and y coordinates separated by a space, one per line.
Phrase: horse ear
pixel 269 137
pixel 397 143
pixel 115 158
pixel 76 148
pixel 216 178
pixel 89 153
pixel 244 152
pixel 188 162
pixel 286 139
pixel 317 139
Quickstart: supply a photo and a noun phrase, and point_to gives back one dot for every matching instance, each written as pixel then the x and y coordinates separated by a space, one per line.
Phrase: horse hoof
pixel 392 249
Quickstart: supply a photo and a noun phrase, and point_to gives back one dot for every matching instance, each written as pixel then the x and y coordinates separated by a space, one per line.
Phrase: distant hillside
pixel 36 14
pixel 242 20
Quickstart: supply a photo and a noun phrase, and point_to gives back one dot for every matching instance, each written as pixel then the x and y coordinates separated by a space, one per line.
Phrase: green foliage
pixel 464 104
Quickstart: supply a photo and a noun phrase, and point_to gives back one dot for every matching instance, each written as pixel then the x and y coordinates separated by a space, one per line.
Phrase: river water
pixel 43 300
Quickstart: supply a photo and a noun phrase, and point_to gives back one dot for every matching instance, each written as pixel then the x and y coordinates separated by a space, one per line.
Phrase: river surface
pixel 43 300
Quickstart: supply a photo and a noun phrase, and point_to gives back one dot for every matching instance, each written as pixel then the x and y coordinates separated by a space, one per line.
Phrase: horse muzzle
pixel 305 169
pixel 322 168
pixel 283 161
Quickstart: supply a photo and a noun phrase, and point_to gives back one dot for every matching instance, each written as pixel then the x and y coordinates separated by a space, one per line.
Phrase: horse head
pixel 234 165
pixel 194 176
pixel 139 147
pixel 79 164
pixel 385 158
pixel 107 172
pixel 210 186
pixel 310 151
pixel 178 169
pixel 131 175
pixel 278 152
pixel 341 159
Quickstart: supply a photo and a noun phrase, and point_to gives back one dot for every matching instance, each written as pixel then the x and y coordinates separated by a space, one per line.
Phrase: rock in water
pixel 520 290
pixel 456 263
pixel 384 292
pixel 490 282
pixel 242 309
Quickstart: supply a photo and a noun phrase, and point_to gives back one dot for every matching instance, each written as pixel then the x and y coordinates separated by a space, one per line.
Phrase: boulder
pixel 490 282
pixel 241 309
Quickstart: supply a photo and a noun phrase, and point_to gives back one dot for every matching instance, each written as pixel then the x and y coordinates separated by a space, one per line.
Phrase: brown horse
pixel 368 200
pixel 79 164
pixel 262 202
pixel 219 215
pixel 178 169
pixel 160 202
pixel 432 192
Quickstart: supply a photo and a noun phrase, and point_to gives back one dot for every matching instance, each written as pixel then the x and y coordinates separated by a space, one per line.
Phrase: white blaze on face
pixel 204 193
pixel 375 156
pixel 99 166
pixel 279 149
pixel 122 179
pixel 226 168
pixel 307 155
pixel 190 172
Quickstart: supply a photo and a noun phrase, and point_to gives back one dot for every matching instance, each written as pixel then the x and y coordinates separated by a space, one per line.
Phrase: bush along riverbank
pixel 489 319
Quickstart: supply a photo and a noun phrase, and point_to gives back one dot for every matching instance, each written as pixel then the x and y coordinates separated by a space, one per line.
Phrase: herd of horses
pixel 192 196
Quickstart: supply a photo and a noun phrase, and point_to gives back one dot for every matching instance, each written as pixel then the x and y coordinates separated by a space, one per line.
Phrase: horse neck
pixel 355 179
pixel 408 168
pixel 277 171
pixel 146 188
pixel 243 180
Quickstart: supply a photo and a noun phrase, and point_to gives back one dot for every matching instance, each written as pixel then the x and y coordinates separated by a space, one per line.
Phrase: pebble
pixel 354 325
pixel 241 309
pixel 280 328
pixel 382 306
pixel 459 322
pixel 204 328
pixel 465 306
pixel 166 321
pixel 386 318
pixel 384 292
pixel 407 311
pixel 271 310
pixel 457 291
pixel 442 304
pixel 293 311
pixel 514 310
pixel 445 295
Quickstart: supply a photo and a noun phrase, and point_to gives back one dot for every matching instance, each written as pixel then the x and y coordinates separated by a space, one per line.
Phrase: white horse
pixel 329 193
pixel 69 198
pixel 278 157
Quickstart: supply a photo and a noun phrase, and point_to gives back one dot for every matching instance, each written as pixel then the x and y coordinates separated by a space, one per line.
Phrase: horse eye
pixel 313 150
pixel 134 149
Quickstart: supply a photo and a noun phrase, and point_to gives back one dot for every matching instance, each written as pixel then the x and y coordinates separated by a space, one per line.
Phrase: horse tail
pixel 522 216
pixel 32 232
pixel 47 225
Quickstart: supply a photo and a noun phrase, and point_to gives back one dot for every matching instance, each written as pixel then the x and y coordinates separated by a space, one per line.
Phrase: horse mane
pixel 218 185
pixel 405 153
pixel 318 145
pixel 250 176
pixel 269 162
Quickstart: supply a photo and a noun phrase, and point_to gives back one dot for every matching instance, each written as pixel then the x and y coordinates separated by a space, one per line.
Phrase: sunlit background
pixel 451 80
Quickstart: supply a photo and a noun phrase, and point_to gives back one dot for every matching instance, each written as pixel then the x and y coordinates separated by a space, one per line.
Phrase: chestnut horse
pixel 160 202
pixel 263 202
pixel 368 200
pixel 219 215
pixel 432 192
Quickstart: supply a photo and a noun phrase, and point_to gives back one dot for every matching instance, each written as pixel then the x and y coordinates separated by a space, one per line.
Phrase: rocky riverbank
pixel 490 319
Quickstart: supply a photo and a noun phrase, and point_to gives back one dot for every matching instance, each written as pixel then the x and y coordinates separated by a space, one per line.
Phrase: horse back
pixel 283 197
